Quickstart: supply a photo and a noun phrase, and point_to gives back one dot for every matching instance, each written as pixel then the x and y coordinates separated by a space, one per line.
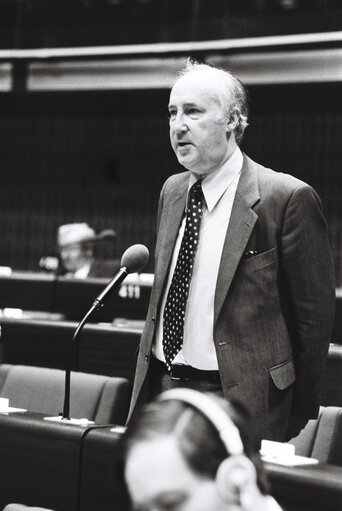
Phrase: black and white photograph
pixel 170 255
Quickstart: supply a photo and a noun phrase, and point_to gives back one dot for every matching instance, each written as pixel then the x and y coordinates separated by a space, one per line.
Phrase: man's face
pixel 159 479
pixel 198 124
pixel 75 256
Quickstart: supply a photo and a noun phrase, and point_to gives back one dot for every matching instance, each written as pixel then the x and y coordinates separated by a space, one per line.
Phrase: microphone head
pixel 135 258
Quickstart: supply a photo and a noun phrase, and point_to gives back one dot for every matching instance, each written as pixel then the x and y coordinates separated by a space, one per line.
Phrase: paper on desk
pixel 78 422
pixel 283 453
pixel 291 461
pixel 5 408
pixel 118 429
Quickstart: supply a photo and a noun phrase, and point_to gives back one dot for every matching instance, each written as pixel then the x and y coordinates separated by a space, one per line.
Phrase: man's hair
pixel 234 94
pixel 198 440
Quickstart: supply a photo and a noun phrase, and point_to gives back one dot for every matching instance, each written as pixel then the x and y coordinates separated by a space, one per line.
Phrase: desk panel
pixel 31 291
pixel 69 468
pixel 74 297
pixel 39 462
pixel 101 484
pixel 103 349
pixel 308 488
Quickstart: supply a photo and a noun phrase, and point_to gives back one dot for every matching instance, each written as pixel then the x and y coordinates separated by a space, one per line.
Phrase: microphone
pixel 133 260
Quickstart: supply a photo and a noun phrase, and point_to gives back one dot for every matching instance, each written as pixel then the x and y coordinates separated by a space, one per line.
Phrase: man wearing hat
pixel 76 244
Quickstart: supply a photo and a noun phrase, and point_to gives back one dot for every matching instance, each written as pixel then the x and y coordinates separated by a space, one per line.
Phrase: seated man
pixel 192 451
pixel 76 243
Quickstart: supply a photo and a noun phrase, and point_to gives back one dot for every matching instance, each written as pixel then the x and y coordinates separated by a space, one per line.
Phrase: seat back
pixel 322 438
pixel 103 399
pixel 328 443
pixel 332 380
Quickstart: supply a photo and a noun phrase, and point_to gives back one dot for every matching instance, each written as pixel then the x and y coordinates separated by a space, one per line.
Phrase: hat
pixel 69 234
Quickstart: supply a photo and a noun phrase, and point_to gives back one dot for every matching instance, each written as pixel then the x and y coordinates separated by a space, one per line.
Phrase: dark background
pixel 102 156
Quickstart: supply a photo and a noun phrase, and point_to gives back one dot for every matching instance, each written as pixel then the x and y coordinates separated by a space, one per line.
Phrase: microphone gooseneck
pixel 133 260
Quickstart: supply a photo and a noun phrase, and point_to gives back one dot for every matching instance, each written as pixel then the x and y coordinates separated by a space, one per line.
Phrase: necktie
pixel 174 311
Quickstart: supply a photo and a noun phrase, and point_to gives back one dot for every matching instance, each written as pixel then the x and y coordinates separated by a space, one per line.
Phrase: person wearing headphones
pixel 191 451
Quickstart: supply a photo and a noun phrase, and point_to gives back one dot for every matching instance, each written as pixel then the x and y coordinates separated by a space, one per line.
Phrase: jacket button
pixel 147 356
pixel 153 318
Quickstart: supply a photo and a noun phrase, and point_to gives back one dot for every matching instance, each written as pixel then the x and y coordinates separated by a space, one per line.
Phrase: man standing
pixel 243 296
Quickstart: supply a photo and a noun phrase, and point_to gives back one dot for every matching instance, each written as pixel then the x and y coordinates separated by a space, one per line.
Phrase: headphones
pixel 226 480
pixel 226 428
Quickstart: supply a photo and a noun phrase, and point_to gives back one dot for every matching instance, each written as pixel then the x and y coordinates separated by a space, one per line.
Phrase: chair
pixel 102 399
pixel 322 438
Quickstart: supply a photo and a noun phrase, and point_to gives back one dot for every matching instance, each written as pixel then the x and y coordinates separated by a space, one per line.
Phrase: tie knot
pixel 196 191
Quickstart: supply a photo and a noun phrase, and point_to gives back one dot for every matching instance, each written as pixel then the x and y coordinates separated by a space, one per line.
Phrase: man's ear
pixel 233 120
pixel 236 481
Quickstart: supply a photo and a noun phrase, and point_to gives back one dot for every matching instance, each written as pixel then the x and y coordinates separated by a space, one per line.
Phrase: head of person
pixel 190 451
pixel 208 112
pixel 75 245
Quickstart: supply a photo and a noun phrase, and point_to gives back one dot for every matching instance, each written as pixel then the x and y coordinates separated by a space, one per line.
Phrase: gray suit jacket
pixel 273 312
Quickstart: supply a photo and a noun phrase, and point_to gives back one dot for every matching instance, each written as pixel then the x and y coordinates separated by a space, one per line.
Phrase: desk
pixel 308 488
pixel 70 468
pixel 101 484
pixel 32 291
pixel 39 462
pixel 59 466
pixel 74 297
pixel 103 349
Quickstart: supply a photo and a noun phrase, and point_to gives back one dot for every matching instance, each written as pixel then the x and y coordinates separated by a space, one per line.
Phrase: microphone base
pixel 77 422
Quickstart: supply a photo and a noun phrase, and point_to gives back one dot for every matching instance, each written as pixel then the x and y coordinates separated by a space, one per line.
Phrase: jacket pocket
pixel 283 375
pixel 260 260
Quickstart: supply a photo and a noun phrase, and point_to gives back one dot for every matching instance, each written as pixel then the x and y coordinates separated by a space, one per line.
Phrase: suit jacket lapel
pixel 240 226
pixel 169 225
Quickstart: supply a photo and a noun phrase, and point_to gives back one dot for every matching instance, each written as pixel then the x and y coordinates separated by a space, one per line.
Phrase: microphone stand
pixel 66 407
pixel 98 303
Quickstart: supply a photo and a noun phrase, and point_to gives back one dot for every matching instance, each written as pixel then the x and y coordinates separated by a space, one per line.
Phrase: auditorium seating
pixel 99 398
pixel 322 438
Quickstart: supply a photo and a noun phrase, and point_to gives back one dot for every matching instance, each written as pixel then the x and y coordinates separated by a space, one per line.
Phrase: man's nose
pixel 179 125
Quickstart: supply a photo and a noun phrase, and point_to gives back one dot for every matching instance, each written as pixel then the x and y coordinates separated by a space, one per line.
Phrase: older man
pixel 76 245
pixel 244 293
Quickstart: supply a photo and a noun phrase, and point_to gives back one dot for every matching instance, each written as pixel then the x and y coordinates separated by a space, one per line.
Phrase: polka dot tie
pixel 174 311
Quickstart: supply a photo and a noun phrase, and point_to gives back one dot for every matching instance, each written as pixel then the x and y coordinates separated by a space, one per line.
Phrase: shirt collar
pixel 216 183
pixel 82 273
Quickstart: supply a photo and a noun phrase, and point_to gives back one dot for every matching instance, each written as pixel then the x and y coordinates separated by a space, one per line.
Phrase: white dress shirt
pixel 219 189
pixel 82 273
